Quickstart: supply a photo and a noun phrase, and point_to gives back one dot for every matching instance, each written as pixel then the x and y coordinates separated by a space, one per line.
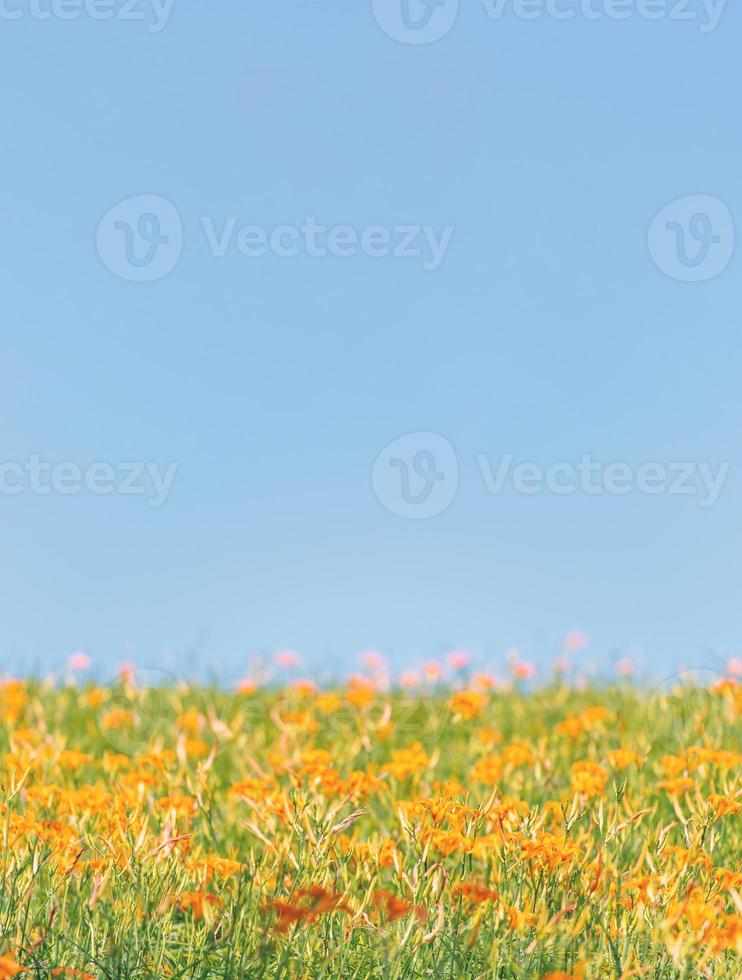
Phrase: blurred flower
pixel 287 659
pixel 197 902
pixel 488 682
pixel 576 640
pixel 360 680
pixel 467 704
pixel 382 680
pixel 373 659
pixel 432 670
pixel 9 967
pixel 523 669
pixel 304 687
pixel 126 670
pixel 408 679
pixel 79 661
pixel 246 686
pixel 625 667
pixel 561 665
pixel 734 667
pixel 458 659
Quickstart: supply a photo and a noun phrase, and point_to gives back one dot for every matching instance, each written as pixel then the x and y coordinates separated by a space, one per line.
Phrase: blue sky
pixel 549 330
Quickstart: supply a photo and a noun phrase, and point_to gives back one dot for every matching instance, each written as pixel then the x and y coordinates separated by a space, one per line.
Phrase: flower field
pixel 183 831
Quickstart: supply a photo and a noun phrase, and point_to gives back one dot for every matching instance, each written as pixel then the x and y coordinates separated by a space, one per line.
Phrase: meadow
pixel 186 831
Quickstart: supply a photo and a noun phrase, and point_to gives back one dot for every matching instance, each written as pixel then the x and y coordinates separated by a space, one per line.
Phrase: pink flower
pixel 126 671
pixel 372 659
pixel 287 659
pixel 382 680
pixel 458 659
pixel 246 686
pixel 409 679
pixel 561 665
pixel 576 641
pixel 625 667
pixel 79 661
pixel 432 670
pixel 523 669
pixel 734 667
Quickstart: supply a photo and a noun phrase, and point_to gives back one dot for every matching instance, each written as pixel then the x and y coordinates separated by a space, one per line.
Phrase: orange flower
pixel 468 704
pixel 588 778
pixel 488 771
pixel 474 892
pixel 360 692
pixel 723 805
pixel 215 866
pixel 577 974
pixel 520 921
pixel 728 879
pixel 246 686
pixel 571 727
pixel 549 850
pixel 287 915
pixel 517 754
pixel 196 902
pixel 407 762
pixel 448 841
pixel 117 718
pixel 316 901
pixel 623 758
pixel 9 967
pixel 72 759
pixel 676 787
pixel 95 697
pixel 395 908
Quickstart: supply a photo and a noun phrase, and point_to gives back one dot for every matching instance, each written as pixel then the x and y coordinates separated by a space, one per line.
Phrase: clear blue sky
pixel 546 332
